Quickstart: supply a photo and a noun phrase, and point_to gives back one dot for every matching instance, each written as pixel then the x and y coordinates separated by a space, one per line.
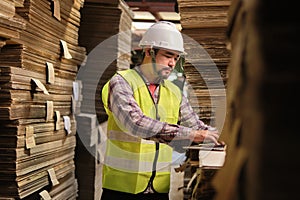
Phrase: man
pixel 147 116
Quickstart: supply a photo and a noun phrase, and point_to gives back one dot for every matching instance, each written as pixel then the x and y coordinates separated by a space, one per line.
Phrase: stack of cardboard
pixel 204 25
pixel 88 160
pixel 18 3
pixel 106 32
pixel 203 163
pixel 10 25
pixel 263 79
pixel 38 68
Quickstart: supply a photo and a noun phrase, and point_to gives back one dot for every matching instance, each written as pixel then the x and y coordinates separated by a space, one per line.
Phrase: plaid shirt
pixel 124 107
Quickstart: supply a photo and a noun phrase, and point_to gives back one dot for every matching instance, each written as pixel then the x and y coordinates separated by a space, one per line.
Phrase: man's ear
pixel 147 52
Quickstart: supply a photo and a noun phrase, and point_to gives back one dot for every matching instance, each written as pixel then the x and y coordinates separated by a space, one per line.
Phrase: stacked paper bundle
pixel 10 25
pixel 106 32
pixel 88 156
pixel 38 66
pixel 204 23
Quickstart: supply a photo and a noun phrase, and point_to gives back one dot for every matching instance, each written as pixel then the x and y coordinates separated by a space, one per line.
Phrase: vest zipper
pixel 149 188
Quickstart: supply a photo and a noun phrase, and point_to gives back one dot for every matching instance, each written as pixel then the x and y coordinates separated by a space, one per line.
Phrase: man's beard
pixel 164 75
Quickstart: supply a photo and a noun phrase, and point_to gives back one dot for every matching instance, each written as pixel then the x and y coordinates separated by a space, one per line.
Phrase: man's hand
pixel 198 136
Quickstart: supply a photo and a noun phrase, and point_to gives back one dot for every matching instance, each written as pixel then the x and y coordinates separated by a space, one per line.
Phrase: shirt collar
pixel 138 70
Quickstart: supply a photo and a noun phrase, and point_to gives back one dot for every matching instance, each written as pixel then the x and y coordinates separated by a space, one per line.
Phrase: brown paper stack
pixel 10 25
pixel 106 32
pixel 261 129
pixel 204 23
pixel 38 64
pixel 88 160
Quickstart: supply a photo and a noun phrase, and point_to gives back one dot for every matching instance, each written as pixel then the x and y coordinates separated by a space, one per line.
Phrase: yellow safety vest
pixel 130 161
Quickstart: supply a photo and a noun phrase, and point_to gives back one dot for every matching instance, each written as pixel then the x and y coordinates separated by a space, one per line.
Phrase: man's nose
pixel 172 62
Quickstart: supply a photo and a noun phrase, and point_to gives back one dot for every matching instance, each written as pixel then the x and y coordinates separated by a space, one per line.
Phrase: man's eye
pixel 168 56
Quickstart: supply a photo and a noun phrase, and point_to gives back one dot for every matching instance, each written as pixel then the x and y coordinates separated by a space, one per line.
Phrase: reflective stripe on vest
pixel 137 160
pixel 129 159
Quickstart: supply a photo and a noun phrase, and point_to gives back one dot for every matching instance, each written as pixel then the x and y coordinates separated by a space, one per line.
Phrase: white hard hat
pixel 163 34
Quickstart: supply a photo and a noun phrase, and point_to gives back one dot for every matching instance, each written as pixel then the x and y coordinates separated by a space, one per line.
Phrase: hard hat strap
pixel 152 53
